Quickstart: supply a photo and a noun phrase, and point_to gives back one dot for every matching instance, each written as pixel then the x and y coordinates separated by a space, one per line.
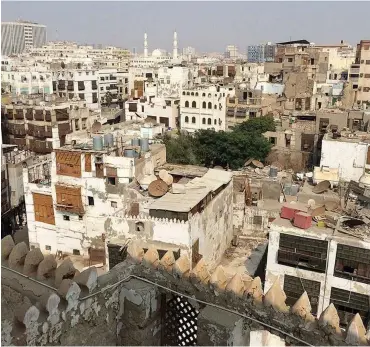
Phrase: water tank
pixel 144 145
pixel 108 140
pixel 273 172
pixel 135 142
pixel 98 143
pixel 130 153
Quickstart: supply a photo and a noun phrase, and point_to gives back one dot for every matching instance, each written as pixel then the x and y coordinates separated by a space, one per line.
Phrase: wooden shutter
pixel 44 211
pixel 111 171
pixel 69 199
pixel 68 164
pixel 87 162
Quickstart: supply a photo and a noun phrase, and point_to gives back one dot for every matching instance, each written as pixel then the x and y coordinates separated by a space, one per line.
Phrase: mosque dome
pixel 157 53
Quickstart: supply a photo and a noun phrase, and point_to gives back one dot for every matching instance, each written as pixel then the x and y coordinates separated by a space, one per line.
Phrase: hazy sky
pixel 207 26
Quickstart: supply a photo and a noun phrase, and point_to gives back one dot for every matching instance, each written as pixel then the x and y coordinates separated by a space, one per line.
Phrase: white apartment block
pixel 113 81
pixel 80 84
pixel 27 82
pixel 332 267
pixel 156 110
pixel 203 108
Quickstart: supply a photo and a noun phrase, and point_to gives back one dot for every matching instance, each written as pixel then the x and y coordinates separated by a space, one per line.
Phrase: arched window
pixel 203 121
pixel 215 107
pixel 209 121
pixel 215 122
pixel 193 104
pixel 186 119
pixel 196 94
pixel 204 94
pixel 216 95
pixel 183 93
pixel 192 93
pixel 186 103
pixel 209 95
pixel 193 120
pixel 188 93
pixel 204 104
pixel 210 105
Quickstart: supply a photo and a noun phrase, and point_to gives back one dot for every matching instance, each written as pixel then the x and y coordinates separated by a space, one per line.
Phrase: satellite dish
pixel 162 174
pixel 168 179
pixel 257 163
pixel 311 203
pixel 321 187
pixel 248 162
pixel 158 188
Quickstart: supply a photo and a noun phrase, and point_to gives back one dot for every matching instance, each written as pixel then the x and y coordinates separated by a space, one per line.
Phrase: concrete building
pixel 70 212
pixel 261 53
pixel 231 52
pixel 345 158
pixel 30 121
pixel 78 84
pixel 359 74
pixel 194 218
pixel 27 82
pixel 21 35
pixel 331 266
pixel 164 111
pixel 203 108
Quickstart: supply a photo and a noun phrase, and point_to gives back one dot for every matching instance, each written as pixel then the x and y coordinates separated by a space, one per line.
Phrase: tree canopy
pixel 226 149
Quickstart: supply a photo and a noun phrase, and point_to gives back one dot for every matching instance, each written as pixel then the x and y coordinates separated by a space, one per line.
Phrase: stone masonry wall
pixel 48 305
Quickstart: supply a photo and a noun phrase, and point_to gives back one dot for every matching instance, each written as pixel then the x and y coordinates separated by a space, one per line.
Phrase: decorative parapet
pixel 144 217
pixel 66 297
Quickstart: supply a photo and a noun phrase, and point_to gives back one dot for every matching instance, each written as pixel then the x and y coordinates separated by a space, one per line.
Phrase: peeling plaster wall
pixel 348 157
pixel 80 233
pixel 159 230
pixel 251 212
pixel 327 281
pixel 214 226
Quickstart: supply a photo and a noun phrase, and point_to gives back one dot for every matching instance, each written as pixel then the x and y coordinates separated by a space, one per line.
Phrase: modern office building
pixel 20 35
pixel 261 53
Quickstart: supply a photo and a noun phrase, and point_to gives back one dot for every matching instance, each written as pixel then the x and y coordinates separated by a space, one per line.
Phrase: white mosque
pixel 158 56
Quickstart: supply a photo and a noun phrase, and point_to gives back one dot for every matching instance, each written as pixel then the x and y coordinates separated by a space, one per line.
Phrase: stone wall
pixel 48 305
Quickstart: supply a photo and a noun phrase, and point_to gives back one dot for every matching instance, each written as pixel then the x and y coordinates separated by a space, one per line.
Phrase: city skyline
pixel 283 21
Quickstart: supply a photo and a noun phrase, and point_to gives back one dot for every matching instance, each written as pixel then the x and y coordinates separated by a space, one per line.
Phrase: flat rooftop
pixel 190 171
pixel 195 191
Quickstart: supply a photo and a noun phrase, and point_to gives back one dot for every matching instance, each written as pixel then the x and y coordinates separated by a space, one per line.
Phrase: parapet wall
pixel 64 307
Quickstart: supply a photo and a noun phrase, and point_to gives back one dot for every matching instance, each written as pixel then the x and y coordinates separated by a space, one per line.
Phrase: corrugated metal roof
pixel 195 191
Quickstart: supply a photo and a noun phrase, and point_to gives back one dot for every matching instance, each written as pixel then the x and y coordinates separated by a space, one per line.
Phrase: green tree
pixel 257 125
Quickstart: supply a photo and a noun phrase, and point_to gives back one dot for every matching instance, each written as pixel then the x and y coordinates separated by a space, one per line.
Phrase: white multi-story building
pixel 331 266
pixel 204 108
pixel 27 82
pixel 79 84
pixel 113 81
pixel 20 35
pixel 69 210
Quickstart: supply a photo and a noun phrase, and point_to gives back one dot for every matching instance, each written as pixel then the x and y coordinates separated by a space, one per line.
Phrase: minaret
pixel 145 45
pixel 174 56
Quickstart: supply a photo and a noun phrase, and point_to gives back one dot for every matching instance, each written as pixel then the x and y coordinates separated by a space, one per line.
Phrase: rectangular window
pixel 113 204
pixel 91 201
pixel 111 181
pixel 80 217
pixel 302 252
pixel 48 248
pixel 65 217
pixel 76 252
